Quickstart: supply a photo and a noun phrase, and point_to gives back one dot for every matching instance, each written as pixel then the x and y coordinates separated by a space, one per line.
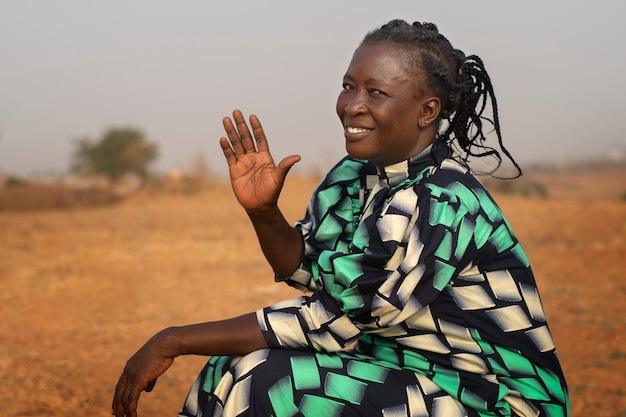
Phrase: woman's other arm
pixel 236 336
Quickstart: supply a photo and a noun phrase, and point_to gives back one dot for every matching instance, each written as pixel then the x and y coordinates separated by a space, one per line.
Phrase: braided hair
pixel 460 82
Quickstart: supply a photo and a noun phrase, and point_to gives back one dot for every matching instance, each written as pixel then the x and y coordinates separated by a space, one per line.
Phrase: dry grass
pixel 82 289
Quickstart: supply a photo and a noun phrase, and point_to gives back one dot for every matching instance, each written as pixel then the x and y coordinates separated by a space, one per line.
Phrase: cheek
pixel 340 105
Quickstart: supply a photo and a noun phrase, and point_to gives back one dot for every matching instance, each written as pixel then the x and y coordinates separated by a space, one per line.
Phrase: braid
pixel 466 124
pixel 461 83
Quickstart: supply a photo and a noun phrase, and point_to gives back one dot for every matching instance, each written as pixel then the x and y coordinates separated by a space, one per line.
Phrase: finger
pixel 129 401
pixel 233 136
pixel 229 153
pixel 244 132
pixel 259 134
pixel 117 408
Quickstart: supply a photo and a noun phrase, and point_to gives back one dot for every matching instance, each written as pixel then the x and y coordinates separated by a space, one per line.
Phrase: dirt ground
pixel 82 289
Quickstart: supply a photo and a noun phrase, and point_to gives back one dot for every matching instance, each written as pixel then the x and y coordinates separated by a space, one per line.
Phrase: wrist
pixel 263 213
pixel 171 342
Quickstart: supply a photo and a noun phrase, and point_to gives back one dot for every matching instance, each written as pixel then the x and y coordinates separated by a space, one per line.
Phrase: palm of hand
pixel 255 181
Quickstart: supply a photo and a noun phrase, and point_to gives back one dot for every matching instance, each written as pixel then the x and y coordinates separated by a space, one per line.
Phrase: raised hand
pixel 256 180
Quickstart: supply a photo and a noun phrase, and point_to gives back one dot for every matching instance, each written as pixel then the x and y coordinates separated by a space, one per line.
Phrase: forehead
pixel 381 61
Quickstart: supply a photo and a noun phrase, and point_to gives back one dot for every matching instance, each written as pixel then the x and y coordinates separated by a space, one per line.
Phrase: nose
pixel 351 104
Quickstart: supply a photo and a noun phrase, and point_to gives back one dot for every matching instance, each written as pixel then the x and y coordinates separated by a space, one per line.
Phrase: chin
pixel 354 152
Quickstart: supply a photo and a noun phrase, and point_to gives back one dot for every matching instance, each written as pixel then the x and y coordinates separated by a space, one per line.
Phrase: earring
pixel 427 121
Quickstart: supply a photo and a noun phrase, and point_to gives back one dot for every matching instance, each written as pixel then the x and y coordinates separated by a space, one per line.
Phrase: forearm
pixel 232 337
pixel 280 242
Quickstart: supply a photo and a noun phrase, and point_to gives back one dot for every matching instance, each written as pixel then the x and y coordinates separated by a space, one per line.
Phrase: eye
pixel 347 87
pixel 376 92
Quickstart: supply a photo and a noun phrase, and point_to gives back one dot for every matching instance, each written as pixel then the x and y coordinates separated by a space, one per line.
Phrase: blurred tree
pixel 120 151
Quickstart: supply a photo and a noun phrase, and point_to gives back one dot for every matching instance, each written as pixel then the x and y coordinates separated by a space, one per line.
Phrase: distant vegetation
pixel 15 182
pixel 519 186
pixel 577 166
pixel 53 196
pixel 105 171
pixel 119 152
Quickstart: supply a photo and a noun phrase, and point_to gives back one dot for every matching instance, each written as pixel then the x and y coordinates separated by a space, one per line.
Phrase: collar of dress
pixel 393 175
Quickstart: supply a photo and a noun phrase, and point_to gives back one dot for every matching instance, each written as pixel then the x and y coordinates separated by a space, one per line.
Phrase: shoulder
pixel 347 172
pixel 449 171
pixel 454 182
pixel 347 169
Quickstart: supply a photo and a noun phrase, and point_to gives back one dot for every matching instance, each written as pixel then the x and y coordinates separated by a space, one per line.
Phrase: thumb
pixel 286 164
pixel 150 386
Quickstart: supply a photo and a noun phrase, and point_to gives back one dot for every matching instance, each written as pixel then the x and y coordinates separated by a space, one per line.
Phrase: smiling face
pixel 386 116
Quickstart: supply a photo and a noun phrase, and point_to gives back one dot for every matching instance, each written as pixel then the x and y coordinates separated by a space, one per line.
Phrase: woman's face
pixel 382 107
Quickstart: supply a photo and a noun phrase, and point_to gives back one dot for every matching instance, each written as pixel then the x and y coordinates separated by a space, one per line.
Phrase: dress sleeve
pixel 316 321
pixel 312 322
pixel 329 221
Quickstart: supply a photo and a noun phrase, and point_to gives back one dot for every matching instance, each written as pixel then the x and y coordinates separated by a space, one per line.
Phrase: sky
pixel 71 69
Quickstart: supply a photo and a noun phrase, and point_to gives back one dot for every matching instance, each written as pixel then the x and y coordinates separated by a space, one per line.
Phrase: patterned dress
pixel 419 302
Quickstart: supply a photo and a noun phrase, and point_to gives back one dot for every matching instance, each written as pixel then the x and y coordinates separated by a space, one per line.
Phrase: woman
pixel 406 258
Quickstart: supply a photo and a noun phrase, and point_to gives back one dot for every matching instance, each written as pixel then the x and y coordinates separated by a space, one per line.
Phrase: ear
pixel 431 106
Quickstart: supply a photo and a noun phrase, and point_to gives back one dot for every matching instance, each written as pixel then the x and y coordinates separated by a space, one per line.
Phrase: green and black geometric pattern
pixel 417 270
pixel 283 383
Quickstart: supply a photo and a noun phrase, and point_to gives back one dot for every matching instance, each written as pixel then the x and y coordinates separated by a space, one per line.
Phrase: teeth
pixel 351 129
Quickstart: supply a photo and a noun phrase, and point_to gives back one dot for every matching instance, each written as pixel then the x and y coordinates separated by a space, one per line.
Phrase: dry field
pixel 83 288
